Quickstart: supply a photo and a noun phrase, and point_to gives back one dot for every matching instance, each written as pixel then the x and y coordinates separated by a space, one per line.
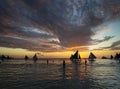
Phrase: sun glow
pixel 20 53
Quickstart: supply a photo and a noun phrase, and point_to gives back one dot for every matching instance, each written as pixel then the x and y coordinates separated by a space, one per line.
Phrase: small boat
pixel 76 58
pixel 35 58
pixel 92 57
pixel 117 56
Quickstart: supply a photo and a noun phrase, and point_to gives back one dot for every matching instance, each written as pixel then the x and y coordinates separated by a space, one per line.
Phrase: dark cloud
pixel 114 46
pixel 117 43
pixel 40 24
pixel 31 45
pixel 106 38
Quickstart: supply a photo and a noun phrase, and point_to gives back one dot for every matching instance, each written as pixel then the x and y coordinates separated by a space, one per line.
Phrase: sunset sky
pixel 57 28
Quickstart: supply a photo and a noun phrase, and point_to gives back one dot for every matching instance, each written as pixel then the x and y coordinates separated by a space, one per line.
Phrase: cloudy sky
pixel 57 27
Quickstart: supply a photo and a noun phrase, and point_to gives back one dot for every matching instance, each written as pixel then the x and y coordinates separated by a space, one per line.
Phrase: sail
pixel 71 57
pixel 79 57
pixel 75 56
pixel 92 56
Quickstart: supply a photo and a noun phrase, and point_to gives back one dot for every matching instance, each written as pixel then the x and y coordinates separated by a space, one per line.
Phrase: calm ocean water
pixel 20 74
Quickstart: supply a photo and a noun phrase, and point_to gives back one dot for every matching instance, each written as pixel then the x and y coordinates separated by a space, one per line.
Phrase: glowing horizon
pixel 20 53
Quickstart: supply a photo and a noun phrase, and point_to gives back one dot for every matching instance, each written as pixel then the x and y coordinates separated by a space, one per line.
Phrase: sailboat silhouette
pixel 76 57
pixel 92 57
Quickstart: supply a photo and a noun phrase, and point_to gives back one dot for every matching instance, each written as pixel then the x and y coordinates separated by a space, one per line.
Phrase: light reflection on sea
pixel 20 74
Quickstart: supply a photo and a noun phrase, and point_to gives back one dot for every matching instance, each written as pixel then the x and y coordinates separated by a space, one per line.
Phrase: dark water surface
pixel 20 74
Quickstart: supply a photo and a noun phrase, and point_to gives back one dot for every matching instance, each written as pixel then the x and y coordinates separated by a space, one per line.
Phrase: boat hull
pixel 76 61
pixel 91 59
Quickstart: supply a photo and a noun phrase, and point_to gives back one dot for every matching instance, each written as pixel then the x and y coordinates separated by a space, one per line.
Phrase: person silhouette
pixel 47 61
pixel 35 58
pixel 3 57
pixel 64 64
pixel 85 61
pixel 26 58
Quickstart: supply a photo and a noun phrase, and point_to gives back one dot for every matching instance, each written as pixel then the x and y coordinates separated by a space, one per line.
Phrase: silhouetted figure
pixel 3 57
pixel 111 57
pixel 117 56
pixel 64 73
pixel 35 58
pixel 47 61
pixel 26 58
pixel 8 58
pixel 64 64
pixel 85 61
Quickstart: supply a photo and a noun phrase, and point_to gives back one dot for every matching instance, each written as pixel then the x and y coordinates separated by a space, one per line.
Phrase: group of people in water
pixel 3 57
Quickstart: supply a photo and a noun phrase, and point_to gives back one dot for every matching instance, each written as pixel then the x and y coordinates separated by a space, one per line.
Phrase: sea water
pixel 21 74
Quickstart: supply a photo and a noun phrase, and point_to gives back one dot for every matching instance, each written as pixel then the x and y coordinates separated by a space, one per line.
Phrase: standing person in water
pixel 64 64
pixel 3 57
pixel 85 61
pixel 35 58
pixel 26 58
pixel 47 61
